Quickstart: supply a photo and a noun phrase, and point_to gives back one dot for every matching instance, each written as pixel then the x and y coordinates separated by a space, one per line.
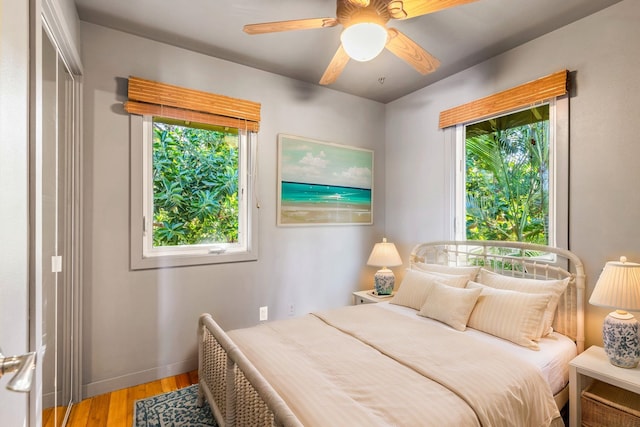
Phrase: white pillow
pixel 511 315
pixel 450 305
pixel 553 288
pixel 470 271
pixel 416 284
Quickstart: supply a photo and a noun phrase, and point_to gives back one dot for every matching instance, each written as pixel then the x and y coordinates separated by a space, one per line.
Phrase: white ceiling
pixel 459 37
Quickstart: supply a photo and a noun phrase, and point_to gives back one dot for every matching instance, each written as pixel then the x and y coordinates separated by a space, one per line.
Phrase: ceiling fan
pixel 365 33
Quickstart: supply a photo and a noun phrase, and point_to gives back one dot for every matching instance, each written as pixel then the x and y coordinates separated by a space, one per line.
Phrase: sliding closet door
pixel 57 221
pixel 50 279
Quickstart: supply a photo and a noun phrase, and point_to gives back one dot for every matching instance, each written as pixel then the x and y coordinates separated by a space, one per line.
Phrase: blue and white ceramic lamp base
pixel 384 281
pixel 620 334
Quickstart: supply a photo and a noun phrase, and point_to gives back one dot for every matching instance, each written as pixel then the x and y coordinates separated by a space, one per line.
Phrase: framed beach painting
pixel 321 183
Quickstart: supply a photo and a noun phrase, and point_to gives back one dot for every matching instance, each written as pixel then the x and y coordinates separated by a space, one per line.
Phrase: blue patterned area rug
pixel 173 409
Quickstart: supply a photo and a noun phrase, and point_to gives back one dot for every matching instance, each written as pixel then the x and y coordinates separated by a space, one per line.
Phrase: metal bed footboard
pixel 237 393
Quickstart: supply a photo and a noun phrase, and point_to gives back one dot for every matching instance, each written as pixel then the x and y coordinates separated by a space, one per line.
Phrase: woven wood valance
pixel 174 102
pixel 543 89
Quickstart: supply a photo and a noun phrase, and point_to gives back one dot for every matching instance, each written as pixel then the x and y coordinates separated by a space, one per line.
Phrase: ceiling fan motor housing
pixel 349 14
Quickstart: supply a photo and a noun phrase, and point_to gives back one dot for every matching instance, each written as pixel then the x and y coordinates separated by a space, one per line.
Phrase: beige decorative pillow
pixel 450 305
pixel 416 284
pixel 469 271
pixel 511 315
pixel 553 288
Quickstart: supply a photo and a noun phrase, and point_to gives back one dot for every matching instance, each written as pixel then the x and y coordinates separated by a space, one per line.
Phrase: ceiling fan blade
pixel 296 24
pixel 335 67
pixel 405 48
pixel 403 9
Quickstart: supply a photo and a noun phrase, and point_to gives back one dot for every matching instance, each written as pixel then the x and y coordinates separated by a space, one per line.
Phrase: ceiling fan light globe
pixel 364 41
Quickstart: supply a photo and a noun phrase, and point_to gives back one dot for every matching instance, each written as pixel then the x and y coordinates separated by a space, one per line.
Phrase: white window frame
pixel 143 254
pixel 558 176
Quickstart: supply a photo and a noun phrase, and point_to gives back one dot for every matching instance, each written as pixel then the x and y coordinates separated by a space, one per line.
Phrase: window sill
pixel 168 261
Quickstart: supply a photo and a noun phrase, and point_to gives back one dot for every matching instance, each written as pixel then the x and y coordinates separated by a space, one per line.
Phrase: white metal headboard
pixel 520 260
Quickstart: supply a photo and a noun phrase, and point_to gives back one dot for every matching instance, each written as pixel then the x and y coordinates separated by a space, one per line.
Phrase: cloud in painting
pixel 358 176
pixel 319 161
pixel 327 164
pixel 307 168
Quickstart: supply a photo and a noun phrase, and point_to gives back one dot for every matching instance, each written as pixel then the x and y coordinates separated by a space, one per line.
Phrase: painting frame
pixel 323 183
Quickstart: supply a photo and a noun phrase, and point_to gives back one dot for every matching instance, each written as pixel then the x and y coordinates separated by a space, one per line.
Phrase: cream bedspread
pixel 407 373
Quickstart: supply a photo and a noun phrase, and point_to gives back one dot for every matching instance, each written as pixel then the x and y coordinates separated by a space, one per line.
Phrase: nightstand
pixel 590 365
pixel 368 297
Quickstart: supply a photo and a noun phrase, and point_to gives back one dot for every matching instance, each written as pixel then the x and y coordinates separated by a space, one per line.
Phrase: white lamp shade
pixel 364 41
pixel 384 255
pixel 618 286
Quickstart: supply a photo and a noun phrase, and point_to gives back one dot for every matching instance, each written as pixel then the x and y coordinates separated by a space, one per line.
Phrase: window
pixel 511 155
pixel 195 188
pixel 504 179
pixel 192 181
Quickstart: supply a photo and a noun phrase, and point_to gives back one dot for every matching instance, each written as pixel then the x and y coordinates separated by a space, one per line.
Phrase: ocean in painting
pixel 303 203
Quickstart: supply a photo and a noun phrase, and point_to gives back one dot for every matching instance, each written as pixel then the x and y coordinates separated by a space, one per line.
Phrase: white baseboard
pixel 51 398
pixel 141 377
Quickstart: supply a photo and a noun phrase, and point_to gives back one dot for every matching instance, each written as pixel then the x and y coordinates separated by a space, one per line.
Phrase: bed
pixel 479 333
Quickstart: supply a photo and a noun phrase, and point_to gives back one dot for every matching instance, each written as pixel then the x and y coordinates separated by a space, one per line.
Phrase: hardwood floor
pixel 116 408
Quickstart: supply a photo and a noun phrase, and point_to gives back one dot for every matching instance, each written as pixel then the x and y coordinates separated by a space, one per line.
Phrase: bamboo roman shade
pixel 543 89
pixel 174 102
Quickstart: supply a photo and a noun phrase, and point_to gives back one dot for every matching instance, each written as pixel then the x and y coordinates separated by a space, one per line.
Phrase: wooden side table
pixel 590 365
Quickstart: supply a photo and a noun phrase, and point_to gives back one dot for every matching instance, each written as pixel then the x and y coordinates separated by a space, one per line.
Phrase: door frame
pixel 49 14
pixel 53 22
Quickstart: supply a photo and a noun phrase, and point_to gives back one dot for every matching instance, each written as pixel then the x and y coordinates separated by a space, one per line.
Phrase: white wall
pixel 603 51
pixel 141 325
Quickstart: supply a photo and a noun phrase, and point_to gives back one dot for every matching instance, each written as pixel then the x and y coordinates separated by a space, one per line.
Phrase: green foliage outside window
pixel 195 185
pixel 507 178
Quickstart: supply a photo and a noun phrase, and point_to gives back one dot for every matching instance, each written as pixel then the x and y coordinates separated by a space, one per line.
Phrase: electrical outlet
pixel 264 313
pixel 292 309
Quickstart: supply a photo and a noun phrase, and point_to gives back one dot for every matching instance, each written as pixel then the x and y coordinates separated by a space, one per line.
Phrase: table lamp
pixel 384 255
pixel 619 287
